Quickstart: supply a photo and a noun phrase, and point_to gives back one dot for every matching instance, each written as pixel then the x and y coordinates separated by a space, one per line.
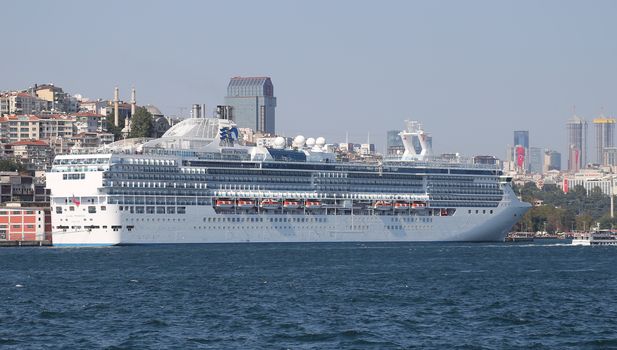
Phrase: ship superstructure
pixel 199 184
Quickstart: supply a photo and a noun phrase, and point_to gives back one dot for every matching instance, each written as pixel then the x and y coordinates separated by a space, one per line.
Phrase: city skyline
pixel 460 68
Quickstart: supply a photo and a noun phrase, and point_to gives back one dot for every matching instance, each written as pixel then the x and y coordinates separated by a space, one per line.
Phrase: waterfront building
pixel 25 224
pixel 252 103
pixel 605 137
pixel 577 143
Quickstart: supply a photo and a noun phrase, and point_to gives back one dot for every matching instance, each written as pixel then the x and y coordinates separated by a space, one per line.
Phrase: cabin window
pixel 91 209
pixel 58 210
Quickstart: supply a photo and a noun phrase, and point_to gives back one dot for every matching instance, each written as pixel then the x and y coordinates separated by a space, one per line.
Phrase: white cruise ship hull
pixel 203 225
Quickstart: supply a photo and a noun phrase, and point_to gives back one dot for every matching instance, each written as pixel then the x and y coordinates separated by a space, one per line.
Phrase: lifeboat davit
pixel 291 204
pixel 312 204
pixel 382 205
pixel 401 206
pixel 245 204
pixel 224 203
pixel 270 203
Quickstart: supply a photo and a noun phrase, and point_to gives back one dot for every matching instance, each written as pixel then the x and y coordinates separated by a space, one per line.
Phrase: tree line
pixel 562 212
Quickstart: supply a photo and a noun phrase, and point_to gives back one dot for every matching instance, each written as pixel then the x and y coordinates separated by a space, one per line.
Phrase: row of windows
pixel 18 226
pixel 218 219
pixel 483 211
pixel 17 212
pixel 73 176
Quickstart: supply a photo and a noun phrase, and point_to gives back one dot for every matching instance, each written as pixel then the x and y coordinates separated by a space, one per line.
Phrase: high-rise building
pixel 521 138
pixel 536 160
pixel 252 103
pixel 521 150
pixel 552 160
pixel 394 144
pixel 577 143
pixel 605 138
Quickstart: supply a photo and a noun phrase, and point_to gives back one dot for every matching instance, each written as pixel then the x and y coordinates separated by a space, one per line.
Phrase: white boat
pixel 198 185
pixel 595 238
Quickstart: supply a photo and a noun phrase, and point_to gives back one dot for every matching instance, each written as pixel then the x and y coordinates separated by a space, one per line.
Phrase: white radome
pixel 310 142
pixel 299 141
pixel 320 142
pixel 279 142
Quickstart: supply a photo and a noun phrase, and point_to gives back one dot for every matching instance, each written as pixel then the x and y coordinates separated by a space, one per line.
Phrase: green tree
pixel 11 165
pixel 141 123
pixel 112 128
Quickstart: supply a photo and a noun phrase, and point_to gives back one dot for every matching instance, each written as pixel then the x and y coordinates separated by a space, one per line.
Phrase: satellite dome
pixel 299 141
pixel 310 142
pixel 279 142
pixel 320 142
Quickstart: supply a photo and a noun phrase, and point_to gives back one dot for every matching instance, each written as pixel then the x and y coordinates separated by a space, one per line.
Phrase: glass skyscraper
pixel 252 103
pixel 577 143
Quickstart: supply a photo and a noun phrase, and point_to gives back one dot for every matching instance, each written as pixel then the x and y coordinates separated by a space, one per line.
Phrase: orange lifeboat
pixel 382 205
pixel 224 203
pixel 245 204
pixel 270 203
pixel 401 206
pixel 312 204
pixel 418 204
pixel 291 204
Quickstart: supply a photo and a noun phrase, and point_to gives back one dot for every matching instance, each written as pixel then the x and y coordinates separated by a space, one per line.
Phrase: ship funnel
pixel 415 141
pixel 426 149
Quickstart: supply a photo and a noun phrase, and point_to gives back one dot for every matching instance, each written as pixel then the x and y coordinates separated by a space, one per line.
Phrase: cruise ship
pixel 200 183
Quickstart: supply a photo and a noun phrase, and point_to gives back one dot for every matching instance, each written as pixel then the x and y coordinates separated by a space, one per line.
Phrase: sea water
pixel 310 296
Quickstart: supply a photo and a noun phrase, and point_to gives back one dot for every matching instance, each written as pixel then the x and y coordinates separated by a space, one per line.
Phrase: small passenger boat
pixel 599 237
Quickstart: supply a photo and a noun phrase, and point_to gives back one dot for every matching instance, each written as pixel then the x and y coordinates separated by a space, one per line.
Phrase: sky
pixel 471 71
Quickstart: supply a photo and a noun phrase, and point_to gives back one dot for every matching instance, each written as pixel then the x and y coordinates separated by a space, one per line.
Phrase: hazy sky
pixel 471 71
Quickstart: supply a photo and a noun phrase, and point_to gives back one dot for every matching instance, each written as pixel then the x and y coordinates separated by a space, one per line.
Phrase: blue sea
pixel 543 295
